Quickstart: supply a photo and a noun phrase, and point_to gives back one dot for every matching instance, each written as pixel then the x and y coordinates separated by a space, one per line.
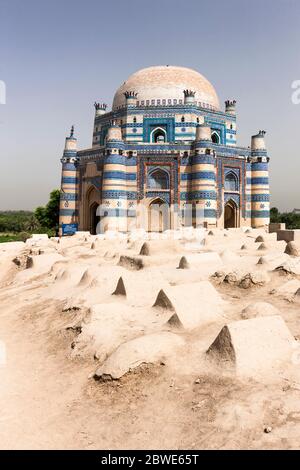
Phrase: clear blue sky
pixel 58 57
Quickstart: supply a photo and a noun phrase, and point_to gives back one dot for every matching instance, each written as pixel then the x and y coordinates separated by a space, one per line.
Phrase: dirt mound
pixel 292 249
pixel 253 347
pixel 159 247
pixel 291 266
pixel 120 289
pixel 145 250
pixel 192 305
pixel 205 263
pixel 86 278
pixel 23 261
pixel 259 309
pixel 288 289
pixel 262 246
pixel 131 262
pixel 109 325
pixel 183 263
pixel 143 350
pixel 140 289
pixel 263 260
pixel 245 281
pixel 256 278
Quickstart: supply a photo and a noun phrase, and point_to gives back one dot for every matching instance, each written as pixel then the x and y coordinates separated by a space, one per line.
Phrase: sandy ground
pixel 48 396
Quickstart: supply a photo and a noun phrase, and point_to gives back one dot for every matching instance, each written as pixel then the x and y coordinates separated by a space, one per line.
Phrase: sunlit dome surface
pixel 164 85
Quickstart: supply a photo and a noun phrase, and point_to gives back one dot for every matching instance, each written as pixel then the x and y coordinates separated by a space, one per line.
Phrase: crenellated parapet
pixel 230 107
pixel 189 96
pixel 131 98
pixel 100 109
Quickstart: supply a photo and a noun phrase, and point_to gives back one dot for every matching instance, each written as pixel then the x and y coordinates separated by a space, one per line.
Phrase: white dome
pixel 166 82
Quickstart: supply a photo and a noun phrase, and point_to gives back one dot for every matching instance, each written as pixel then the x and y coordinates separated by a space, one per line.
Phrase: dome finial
pixel 72 131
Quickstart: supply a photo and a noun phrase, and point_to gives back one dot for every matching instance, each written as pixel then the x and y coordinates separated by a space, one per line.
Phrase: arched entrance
pixel 94 218
pixel 231 215
pixel 91 203
pixel 158 216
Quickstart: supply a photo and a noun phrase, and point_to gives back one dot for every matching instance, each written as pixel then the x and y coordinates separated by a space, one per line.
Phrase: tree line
pixel 291 219
pixel 19 225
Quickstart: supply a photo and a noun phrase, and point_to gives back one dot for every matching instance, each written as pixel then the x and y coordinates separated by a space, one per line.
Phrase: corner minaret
pixel 114 208
pixel 260 192
pixel 100 110
pixel 68 213
pixel 203 177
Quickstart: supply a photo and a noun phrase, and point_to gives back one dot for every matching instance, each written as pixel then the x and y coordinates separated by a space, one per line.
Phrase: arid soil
pixel 106 348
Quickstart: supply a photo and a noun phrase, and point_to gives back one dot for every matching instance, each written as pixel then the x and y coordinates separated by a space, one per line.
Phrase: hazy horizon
pixel 60 57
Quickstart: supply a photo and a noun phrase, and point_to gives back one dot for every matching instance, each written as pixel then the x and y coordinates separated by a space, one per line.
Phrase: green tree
pixel 274 215
pixel 32 224
pixel 48 216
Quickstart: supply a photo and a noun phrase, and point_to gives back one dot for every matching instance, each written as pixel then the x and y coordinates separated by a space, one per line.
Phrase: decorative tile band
pixel 210 213
pixel 260 214
pixel 258 181
pixel 259 153
pixel 119 175
pixel 116 194
pixel 68 167
pixel 258 197
pixel 68 196
pixel 207 175
pixel 120 160
pixel 203 159
pixel 69 180
pixel 68 212
pixel 192 195
pixel 105 212
pixel 259 166
pixel 157 194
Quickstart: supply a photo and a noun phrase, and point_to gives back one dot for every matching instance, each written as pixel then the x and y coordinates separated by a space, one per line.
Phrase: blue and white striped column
pixel 260 192
pixel 68 211
pixel 116 179
pixel 203 177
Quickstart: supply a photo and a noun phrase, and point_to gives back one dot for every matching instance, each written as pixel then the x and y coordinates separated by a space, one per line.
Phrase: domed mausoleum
pixel 165 156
